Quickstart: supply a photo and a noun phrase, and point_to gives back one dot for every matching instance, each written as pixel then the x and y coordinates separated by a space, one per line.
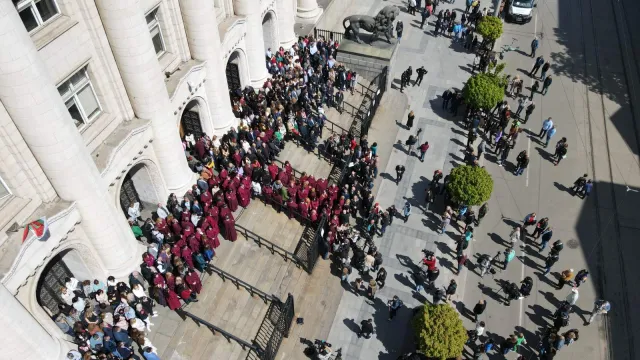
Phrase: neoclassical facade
pixel 95 96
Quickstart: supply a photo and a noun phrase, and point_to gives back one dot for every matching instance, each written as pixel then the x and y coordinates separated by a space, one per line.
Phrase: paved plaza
pixel 589 102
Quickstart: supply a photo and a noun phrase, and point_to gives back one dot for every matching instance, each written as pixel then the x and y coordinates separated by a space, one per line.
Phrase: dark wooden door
pixel 128 195
pixel 233 76
pixel 50 284
pixel 191 124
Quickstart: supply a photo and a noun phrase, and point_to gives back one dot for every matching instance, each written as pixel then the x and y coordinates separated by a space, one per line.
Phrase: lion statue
pixel 382 23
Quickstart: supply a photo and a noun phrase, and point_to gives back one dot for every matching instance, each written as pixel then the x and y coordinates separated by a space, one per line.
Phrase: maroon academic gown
pixel 292 206
pixel 235 183
pixel 193 243
pixel 232 200
pixel 304 209
pixel 273 171
pixel 194 282
pixel 213 241
pixel 171 282
pixel 230 229
pixel 158 281
pixel 200 150
pixel 172 299
pixel 187 256
pixel 283 177
pixel 243 196
pixel 206 198
pixel 224 212
pixel 176 228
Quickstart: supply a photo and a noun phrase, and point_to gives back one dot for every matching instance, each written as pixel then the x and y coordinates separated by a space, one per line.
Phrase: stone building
pixel 94 98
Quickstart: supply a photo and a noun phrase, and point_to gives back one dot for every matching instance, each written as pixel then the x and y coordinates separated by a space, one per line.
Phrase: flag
pixel 40 229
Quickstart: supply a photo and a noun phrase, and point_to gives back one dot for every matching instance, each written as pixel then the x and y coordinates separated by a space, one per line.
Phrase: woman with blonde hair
pixel 410 118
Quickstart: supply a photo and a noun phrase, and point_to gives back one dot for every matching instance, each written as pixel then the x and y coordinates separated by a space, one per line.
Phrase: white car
pixel 520 11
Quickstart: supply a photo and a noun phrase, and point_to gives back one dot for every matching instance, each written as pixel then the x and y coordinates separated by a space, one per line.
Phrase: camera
pixel 427 253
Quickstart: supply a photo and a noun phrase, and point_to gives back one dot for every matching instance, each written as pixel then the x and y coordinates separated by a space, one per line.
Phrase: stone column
pixel 308 10
pixel 130 41
pixel 199 18
pixel 254 40
pixel 23 335
pixel 35 106
pixel 286 22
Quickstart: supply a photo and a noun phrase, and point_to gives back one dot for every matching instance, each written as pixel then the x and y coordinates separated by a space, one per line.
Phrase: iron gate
pixel 129 195
pixel 233 76
pixel 191 124
pixel 281 318
pixel 51 282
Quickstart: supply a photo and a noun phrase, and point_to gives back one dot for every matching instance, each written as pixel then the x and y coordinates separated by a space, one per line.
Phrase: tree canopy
pixel 439 331
pixel 490 27
pixel 470 185
pixel 484 90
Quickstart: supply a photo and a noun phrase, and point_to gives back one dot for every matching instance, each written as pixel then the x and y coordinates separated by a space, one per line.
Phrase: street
pixel 595 80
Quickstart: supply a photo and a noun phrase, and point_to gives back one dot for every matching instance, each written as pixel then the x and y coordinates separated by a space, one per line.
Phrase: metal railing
pixel 216 330
pixel 297 174
pixel 328 34
pixel 286 255
pixel 241 283
pixel 370 104
pixel 279 327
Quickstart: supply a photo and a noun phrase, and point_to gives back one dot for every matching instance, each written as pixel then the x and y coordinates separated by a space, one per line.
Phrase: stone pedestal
pixel 368 60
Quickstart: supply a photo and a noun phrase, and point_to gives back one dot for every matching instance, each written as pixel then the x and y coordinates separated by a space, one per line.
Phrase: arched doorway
pixel 234 74
pixel 270 32
pixel 190 121
pixel 64 265
pixel 139 187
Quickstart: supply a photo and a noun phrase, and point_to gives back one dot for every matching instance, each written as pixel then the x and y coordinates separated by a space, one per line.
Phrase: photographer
pixel 526 286
pixel 429 260
pixel 485 264
pixel 394 305
pixel 512 293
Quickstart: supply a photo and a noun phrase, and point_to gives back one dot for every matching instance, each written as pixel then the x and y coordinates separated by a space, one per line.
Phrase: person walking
pixel 599 307
pixel 423 150
pixel 578 185
pixel 509 254
pixel 546 83
pixel 480 307
pixel 412 7
pixel 545 237
pixel 451 289
pixel 534 46
pixel 446 219
pixel 462 260
pixel 410 118
pixel 546 126
pixel 506 149
pixel 534 89
pixel 581 277
pixel 565 278
pixel 550 261
pixel 536 66
pixel 429 198
pixel 339 98
pixel 545 69
pixel 550 134
pixel 481 149
pixel 509 344
pixel 482 212
pixel 588 186
pixel 400 169
pixel 523 162
pixel 573 296
pixel 515 235
pixel 529 111
pixel 421 73
pixel 447 95
pixel 399 30
pixel 425 15
pixel 366 328
pixel 561 153
pixel 406 210
pixel 540 226
pixel 394 305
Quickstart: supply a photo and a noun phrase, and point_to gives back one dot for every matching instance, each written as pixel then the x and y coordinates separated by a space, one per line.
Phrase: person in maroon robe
pixel 223 175
pixel 232 200
pixel 161 226
pixel 314 216
pixel 200 148
pixel 237 159
pixel 224 212
pixel 283 177
pixel 288 168
pixel 193 280
pixel 175 250
pixel 158 281
pixel 292 208
pixel 187 256
pixel 303 193
pixel 230 229
pixel 213 182
pixel 273 171
pixel 173 301
pixel 235 183
pixel 246 180
pixel 171 281
pixel 206 198
pixel 148 259
pixel 193 243
pixel 304 208
pixel 187 228
pixel 321 185
pixel 277 201
pixel 244 196
pixel 268 194
pixel 312 181
pixel 176 228
pixel 212 241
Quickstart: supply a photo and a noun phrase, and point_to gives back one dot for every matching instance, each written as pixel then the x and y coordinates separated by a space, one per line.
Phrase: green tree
pixel 490 27
pixel 439 332
pixel 470 185
pixel 484 90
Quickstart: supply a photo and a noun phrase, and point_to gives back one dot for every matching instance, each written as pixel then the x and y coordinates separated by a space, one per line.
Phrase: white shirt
pixel 134 212
pixel 72 284
pixel 162 212
pixel 573 297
